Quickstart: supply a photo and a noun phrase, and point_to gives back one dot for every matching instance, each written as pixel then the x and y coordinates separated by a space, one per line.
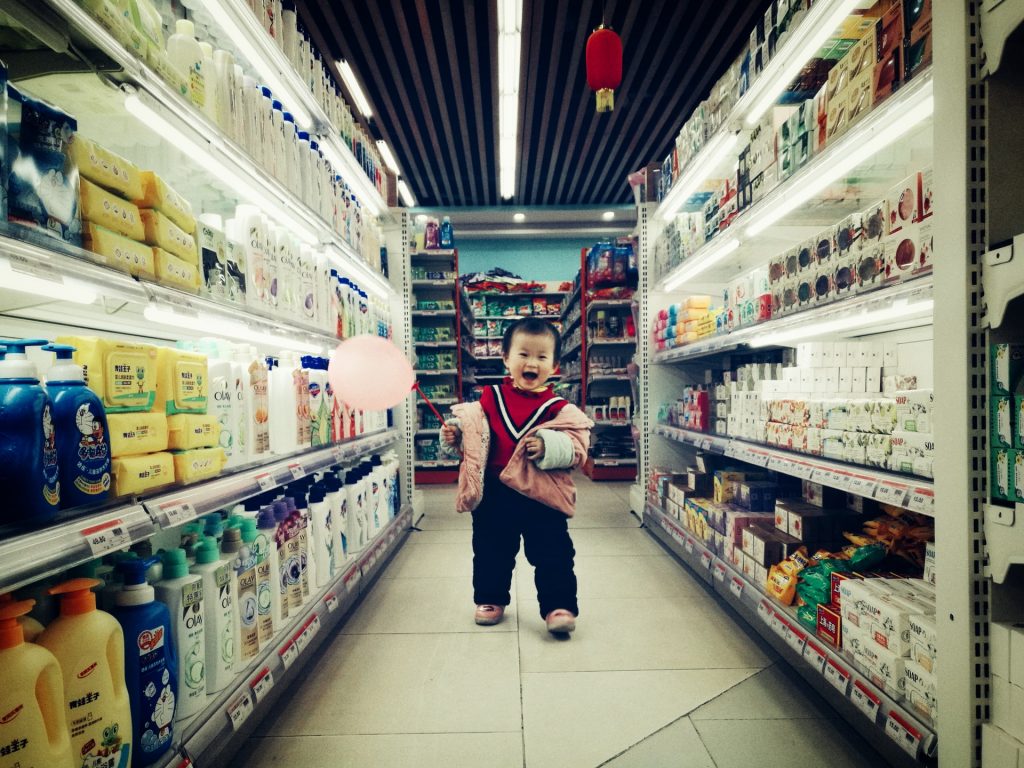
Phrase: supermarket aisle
pixel 656 674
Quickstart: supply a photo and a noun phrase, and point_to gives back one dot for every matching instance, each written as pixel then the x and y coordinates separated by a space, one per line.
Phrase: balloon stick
pixel 416 386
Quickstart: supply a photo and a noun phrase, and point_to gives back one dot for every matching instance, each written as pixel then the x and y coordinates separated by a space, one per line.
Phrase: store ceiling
pixel 429 70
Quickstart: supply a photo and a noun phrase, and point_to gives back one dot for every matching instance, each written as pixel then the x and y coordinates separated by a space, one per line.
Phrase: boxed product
pixel 103 167
pixel 910 252
pixel 124 375
pixel 192 430
pixel 822 495
pixel 138 474
pixel 105 208
pixel 757 495
pixel 1006 367
pixel 157 194
pixel 136 433
pixel 829 625
pixel 170 270
pixel 181 381
pixel 888 67
pixel 117 251
pixel 198 464
pixel 724 485
pixel 914 410
pixel 164 233
pixel 42 185
pixel 1001 432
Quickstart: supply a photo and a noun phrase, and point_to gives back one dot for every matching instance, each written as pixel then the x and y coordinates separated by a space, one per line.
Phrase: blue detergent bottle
pixel 83 448
pixel 151 664
pixel 28 440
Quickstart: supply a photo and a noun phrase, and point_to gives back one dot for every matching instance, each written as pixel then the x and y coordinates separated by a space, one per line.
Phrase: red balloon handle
pixel 416 386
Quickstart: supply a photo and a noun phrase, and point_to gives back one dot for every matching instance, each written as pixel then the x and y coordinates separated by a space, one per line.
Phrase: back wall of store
pixel 532 259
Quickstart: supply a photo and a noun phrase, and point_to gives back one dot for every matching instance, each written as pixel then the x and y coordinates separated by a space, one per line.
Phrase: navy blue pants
pixel 503 517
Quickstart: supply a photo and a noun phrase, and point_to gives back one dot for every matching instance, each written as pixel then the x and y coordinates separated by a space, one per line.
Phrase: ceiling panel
pixel 429 71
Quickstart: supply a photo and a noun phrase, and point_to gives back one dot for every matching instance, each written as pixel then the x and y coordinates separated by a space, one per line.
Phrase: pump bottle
pixel 182 593
pixel 219 594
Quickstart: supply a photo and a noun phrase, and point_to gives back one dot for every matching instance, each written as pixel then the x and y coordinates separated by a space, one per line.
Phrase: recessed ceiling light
pixel 519 218
pixel 608 215
pixel 421 219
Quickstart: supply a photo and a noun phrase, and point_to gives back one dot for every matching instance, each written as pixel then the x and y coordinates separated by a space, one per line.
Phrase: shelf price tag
pixel 705 560
pixel 736 587
pixel 42 270
pixel 779 464
pixel 351 579
pixel 688 545
pixel 289 653
pixel 783 629
pixel 758 457
pixel 265 481
pixel 801 469
pixel 705 445
pixel 297 471
pixel 337 453
pixel 889 492
pixel 314 626
pixel 239 711
pixel 862 485
pixel 836 478
pixel 720 572
pixel 332 602
pixel 186 761
pixel 864 700
pixel 922 500
pixel 899 731
pixel 262 684
pixel 797 640
pixel 814 656
pixel 837 677
pixel 107 537
pixel 178 512
pixel 764 611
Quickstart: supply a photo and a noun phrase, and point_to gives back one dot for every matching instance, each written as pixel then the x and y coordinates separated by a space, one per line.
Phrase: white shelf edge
pixel 914 493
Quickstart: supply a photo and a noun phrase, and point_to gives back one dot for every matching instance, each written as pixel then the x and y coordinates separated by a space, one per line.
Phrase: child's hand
pixel 451 435
pixel 534 449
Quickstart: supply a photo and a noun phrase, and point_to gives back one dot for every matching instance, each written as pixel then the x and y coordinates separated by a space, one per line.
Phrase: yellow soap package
pixel 181 381
pixel 111 211
pixel 103 167
pixel 157 194
pixel 135 433
pixel 118 251
pixel 170 270
pixel 192 430
pixel 164 233
pixel 121 373
pixel 138 474
pixel 198 464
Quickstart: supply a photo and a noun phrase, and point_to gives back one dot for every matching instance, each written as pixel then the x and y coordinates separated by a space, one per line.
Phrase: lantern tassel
pixel 605 100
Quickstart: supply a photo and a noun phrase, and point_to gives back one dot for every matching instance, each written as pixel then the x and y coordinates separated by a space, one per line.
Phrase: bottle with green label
pixel 219 589
pixel 182 593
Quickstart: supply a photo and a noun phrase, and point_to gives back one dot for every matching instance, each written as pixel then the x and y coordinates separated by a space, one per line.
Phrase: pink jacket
pixel 552 487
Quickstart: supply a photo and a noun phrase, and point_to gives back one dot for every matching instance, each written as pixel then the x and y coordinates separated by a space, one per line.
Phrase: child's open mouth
pixel 529 375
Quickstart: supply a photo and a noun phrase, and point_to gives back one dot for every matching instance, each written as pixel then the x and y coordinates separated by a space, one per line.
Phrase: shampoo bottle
pixel 243 568
pixel 322 539
pixel 182 593
pixel 184 52
pixel 83 450
pixel 268 573
pixel 31 697
pixel 89 646
pixel 28 441
pixel 150 662
pixel 281 540
pixel 219 594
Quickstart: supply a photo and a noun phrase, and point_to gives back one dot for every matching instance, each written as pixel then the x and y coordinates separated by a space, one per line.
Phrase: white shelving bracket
pixel 1003 278
pixel 1004 540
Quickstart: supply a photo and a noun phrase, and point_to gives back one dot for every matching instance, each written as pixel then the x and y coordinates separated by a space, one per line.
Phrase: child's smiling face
pixel 531 360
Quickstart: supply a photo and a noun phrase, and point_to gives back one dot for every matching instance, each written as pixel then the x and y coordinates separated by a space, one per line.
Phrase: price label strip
pixel 720 572
pixel 705 560
pixel 332 602
pixel 922 500
pixel 265 481
pixel 900 731
pixel 889 492
pixel 297 471
pixel 688 545
pixel 837 677
pixel 862 485
pixel 178 512
pixel 797 640
pixel 736 587
pixel 764 611
pixel 865 701
pixel 262 684
pixel 107 537
pixel 289 653
pixel 814 656
pixel 186 761
pixel 239 711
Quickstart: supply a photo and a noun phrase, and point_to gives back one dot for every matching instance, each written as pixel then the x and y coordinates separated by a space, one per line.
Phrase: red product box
pixel 830 626
pixel 763 308
pixel 888 69
pixel 837 579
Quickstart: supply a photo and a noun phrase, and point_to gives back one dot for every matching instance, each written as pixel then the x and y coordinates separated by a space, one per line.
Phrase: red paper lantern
pixel 604 66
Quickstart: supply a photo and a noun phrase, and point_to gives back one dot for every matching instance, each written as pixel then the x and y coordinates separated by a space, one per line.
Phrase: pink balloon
pixel 370 373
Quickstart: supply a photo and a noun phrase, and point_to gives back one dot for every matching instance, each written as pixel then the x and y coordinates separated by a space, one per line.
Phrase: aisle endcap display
pixel 34 555
pixel 227 711
pixel 841 682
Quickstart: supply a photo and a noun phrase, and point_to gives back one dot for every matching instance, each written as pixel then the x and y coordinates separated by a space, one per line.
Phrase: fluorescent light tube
pixel 697 264
pixel 509 46
pixel 900 310
pixel 820 23
pixel 262 59
pixel 57 289
pixel 354 88
pixel 849 152
pixel 510 15
pixel 406 194
pixel 608 215
pixel 367 278
pixel 389 159
pixel 214 325
pixel 699 171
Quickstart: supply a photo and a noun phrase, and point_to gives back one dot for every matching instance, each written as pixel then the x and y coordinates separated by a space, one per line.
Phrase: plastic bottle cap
pixel 277 105
pixel 207 552
pixel 289 117
pixel 11 632
pixel 267 92
pixel 175 563
pixel 266 519
pixel 76 596
pixel 135 589
pixel 16 364
pixel 64 369
pixel 280 511
pixel 232 541
pixel 185 27
pixel 248 531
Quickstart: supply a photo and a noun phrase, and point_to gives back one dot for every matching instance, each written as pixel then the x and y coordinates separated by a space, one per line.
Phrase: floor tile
pixel 583 719
pixel 783 744
pixel 771 694
pixel 452 559
pixel 443 536
pixel 378 684
pixel 591 517
pixel 677 745
pixel 411 606
pixel 440 750
pixel 639 576
pixel 634 634
pixel 614 542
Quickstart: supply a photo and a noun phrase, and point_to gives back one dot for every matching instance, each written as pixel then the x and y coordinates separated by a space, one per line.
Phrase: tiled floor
pixel 657 674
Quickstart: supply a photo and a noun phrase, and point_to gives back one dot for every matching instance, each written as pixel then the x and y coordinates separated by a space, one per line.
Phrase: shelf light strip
pixel 57 288
pixel 708 260
pixel 900 310
pixel 255 54
pixel 714 153
pixel 214 325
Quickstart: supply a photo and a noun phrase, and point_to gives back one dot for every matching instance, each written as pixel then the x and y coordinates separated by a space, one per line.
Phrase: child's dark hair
pixel 531 326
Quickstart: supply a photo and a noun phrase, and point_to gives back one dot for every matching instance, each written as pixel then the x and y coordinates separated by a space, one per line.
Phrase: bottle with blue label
pixel 447 233
pixel 83 450
pixel 28 440
pixel 151 663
